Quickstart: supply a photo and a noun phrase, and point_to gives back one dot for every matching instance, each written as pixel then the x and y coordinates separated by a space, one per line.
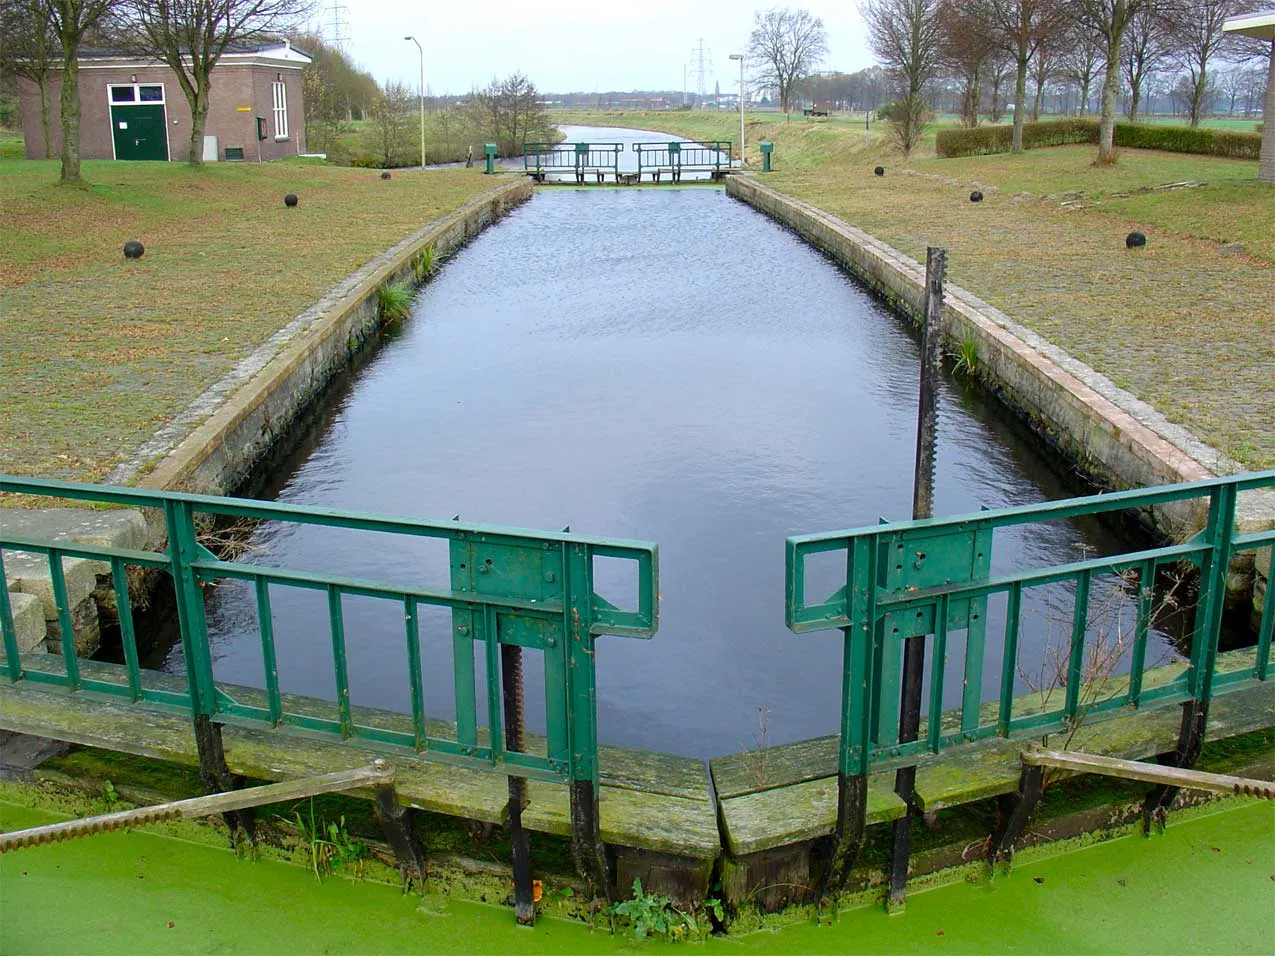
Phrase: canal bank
pixel 1116 440
pixel 549 811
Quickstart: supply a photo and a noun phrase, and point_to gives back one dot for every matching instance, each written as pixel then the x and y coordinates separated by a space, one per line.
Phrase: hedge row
pixel 1175 139
pixel 998 139
pixel 1183 139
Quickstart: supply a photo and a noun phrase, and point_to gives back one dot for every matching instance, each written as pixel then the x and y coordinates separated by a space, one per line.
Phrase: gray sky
pixel 570 45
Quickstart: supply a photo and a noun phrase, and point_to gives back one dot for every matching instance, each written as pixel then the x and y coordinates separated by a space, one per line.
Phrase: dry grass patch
pixel 97 352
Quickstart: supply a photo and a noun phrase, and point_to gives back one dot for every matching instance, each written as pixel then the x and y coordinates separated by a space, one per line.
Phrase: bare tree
pixel 1145 50
pixel 999 72
pixel 967 48
pixel 392 123
pixel 1044 66
pixel 72 21
pixel 906 36
pixel 1195 39
pixel 785 46
pixel 1080 62
pixel 1021 27
pixel 1108 20
pixel 191 36
pixel 509 111
pixel 29 42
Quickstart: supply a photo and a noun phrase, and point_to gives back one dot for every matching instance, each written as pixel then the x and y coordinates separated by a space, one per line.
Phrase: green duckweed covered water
pixel 1206 886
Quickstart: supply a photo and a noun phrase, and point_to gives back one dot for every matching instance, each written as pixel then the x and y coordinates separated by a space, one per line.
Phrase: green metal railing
pixel 542 159
pixel 507 587
pixel 675 158
pixel 932 578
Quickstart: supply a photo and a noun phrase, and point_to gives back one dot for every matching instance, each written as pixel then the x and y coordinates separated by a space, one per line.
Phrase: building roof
pixel 1258 25
pixel 274 51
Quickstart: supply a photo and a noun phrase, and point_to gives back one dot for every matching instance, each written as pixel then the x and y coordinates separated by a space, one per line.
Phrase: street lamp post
pixel 740 58
pixel 421 89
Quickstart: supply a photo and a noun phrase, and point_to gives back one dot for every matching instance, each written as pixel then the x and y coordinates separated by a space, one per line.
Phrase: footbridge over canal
pixel 632 813
pixel 653 162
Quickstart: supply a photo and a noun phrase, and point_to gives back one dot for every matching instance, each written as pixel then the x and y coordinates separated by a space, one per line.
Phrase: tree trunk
pixel 1020 94
pixel 43 85
pixel 1040 95
pixel 1197 100
pixel 1135 97
pixel 70 109
pixel 1110 91
pixel 198 120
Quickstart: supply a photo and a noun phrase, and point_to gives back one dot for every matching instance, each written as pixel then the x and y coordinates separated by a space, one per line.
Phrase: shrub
pixel 1173 139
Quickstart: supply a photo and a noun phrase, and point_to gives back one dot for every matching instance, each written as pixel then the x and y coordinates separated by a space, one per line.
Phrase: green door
pixel 140 132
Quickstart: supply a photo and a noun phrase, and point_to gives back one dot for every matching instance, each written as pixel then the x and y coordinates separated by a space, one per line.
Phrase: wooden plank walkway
pixel 648 801
pixel 766 800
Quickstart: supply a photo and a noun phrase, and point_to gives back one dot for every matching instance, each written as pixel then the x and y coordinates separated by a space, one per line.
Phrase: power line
pixel 703 66
pixel 336 23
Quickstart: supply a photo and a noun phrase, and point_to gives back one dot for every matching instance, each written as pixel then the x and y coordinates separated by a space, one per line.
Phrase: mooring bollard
pixel 490 150
pixel 766 149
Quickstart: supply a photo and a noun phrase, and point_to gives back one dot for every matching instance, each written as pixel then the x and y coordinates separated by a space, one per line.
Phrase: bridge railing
pixel 541 159
pixel 507 587
pixel 677 157
pixel 932 579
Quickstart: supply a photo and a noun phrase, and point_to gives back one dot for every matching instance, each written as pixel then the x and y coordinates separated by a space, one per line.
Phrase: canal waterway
pixel 659 364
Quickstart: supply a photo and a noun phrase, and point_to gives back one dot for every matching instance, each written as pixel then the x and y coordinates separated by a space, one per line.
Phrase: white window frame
pixel 137 94
pixel 280 90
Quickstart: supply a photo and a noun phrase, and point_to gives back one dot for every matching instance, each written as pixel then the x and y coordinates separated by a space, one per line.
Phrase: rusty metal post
pixel 1013 810
pixel 396 823
pixel 922 507
pixel 216 777
pixel 1195 717
pixel 587 849
pixel 847 840
pixel 511 680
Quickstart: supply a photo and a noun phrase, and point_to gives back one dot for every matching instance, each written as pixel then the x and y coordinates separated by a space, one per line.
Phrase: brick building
pixel 132 108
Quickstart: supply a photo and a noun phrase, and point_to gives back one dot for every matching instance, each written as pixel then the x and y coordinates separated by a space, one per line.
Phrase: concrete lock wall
pixel 1115 439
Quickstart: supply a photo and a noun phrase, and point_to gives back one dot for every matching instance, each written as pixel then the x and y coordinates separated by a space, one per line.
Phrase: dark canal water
pixel 655 364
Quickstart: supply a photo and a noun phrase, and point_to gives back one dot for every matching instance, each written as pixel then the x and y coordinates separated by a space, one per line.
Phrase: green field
pixel 97 352
pixel 1185 323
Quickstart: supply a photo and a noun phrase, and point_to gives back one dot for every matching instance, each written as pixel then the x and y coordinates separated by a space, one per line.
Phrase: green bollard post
pixel 766 149
pixel 490 150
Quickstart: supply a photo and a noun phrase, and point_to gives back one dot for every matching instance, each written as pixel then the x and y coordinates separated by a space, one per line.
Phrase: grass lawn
pixel 97 352
pixel 1187 323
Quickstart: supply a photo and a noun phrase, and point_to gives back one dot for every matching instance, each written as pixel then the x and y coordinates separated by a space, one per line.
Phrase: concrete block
pixel 86 625
pixel 30 574
pixel 28 620
pixel 107 529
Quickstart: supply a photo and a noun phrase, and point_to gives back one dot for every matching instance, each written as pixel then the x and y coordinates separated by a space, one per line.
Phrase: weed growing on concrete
pixel 966 356
pixel 394 302
pixel 759 754
pixel 424 263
